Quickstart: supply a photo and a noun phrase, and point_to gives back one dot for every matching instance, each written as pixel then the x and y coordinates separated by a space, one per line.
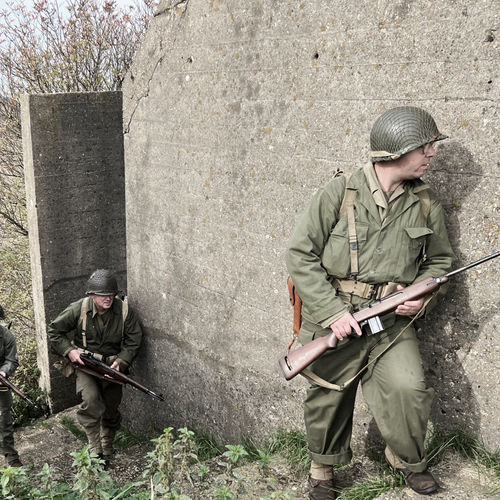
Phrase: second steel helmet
pixel 401 130
pixel 102 282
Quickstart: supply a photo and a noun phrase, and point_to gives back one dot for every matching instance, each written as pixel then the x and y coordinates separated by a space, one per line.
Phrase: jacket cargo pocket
pixel 336 257
pixel 413 244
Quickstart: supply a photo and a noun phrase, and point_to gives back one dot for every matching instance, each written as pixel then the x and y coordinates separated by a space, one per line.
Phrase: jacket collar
pixel 365 181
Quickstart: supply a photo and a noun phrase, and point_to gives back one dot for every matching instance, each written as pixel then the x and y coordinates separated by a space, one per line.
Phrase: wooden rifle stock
pixel 295 361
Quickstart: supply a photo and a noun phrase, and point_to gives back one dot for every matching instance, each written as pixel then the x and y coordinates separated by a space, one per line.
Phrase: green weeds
pixel 292 445
pixel 174 469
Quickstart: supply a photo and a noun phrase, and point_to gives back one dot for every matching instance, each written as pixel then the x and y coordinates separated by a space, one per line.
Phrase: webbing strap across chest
pixel 86 306
pixel 347 206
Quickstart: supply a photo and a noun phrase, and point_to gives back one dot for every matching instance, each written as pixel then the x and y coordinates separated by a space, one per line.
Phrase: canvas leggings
pixel 100 401
pixel 6 426
pixel 393 387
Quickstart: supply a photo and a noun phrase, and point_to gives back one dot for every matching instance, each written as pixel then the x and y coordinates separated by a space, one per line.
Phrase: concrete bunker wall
pixel 235 113
pixel 74 170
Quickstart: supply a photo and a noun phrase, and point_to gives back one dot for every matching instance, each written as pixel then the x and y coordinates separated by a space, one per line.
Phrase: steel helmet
pixel 400 130
pixel 102 282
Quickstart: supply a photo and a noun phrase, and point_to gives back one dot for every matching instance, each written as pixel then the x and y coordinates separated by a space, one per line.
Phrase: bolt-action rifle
pixel 295 361
pixel 6 382
pixel 106 372
pixel 92 366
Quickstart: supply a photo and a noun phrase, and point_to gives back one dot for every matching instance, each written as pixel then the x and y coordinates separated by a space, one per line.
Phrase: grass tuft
pixel 292 445
pixel 75 429
pixel 367 490
pixel 206 446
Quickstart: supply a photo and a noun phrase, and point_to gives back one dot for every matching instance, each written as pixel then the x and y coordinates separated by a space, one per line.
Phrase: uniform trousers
pixel 6 426
pixel 393 387
pixel 100 401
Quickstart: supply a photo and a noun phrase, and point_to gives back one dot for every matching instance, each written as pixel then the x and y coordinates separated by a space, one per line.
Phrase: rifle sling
pixel 316 379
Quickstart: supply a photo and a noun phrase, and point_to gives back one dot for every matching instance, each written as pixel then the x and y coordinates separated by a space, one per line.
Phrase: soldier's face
pixel 414 164
pixel 102 302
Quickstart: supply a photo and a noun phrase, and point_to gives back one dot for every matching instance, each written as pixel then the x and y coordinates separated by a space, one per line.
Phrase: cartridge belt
pixel 364 290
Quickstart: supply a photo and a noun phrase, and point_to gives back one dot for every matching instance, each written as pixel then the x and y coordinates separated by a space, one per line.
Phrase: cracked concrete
pixel 252 108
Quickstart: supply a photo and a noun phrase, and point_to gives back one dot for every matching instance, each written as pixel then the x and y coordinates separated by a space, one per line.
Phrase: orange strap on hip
pixel 296 303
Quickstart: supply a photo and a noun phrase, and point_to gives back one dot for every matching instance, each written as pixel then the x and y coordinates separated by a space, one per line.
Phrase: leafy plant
pixel 203 472
pixel 235 452
pixel 91 478
pixel 50 489
pixel 14 483
pixel 160 470
pixel 264 460
pixel 224 494
pixel 184 449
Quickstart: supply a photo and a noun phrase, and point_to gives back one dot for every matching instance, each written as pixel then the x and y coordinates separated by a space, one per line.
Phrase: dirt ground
pixel 48 441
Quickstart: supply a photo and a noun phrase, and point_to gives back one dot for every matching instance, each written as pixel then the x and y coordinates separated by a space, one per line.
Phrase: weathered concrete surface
pixel 73 160
pixel 235 112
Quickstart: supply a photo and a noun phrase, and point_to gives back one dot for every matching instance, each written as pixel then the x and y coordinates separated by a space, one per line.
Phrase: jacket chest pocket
pixel 336 254
pixel 413 243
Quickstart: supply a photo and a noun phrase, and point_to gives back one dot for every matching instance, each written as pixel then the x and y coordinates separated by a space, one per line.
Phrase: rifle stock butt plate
pixel 286 368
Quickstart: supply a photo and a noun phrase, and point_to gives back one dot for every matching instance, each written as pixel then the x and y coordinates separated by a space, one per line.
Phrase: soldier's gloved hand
pixel 344 326
pixel 74 356
pixel 410 307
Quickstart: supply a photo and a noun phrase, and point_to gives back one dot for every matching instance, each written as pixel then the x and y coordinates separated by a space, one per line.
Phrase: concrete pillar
pixel 74 170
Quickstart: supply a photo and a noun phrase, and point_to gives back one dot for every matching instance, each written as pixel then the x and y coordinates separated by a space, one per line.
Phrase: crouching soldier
pixel 8 365
pixel 105 326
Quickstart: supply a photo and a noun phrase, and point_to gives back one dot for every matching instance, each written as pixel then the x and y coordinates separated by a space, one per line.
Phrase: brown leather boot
pixel 15 463
pixel 421 482
pixel 94 438
pixel 321 489
pixel 107 438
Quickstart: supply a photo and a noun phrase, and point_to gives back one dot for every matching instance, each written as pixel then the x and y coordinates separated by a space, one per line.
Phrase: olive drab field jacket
pixel 107 335
pixel 389 250
pixel 8 352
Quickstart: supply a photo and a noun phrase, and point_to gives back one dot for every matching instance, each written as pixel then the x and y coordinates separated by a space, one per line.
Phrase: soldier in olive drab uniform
pixel 102 326
pixel 8 365
pixel 399 238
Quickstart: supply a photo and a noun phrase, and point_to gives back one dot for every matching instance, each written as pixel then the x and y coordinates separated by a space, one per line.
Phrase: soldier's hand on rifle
pixel 344 326
pixel 115 366
pixel 410 307
pixel 74 356
pixel 3 375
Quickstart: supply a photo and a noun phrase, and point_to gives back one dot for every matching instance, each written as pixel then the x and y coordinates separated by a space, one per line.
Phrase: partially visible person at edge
pixel 398 244
pixel 110 338
pixel 8 365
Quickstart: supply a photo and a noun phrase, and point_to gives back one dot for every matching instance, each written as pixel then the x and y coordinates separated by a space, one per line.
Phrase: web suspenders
pixel 83 317
pixel 347 206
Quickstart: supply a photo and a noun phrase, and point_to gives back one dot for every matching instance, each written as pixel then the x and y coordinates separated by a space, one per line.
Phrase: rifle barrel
pixel 492 255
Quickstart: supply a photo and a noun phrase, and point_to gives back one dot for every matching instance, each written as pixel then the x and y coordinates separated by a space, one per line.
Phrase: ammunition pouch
pixel 64 366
